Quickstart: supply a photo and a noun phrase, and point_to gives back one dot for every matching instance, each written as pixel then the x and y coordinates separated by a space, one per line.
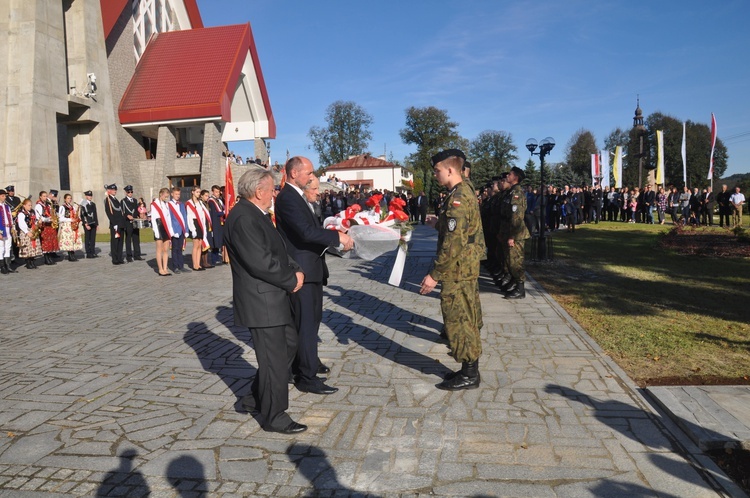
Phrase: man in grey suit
pixel 263 280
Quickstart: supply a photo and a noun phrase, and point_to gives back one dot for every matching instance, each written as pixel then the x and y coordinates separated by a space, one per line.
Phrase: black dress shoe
pixel 316 388
pixel 292 428
pixel 139 258
pixel 323 369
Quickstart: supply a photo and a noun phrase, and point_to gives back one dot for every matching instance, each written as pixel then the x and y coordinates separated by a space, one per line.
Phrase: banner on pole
pixel 594 168
pixel 713 146
pixel 617 167
pixel 605 169
pixel 683 151
pixel 659 157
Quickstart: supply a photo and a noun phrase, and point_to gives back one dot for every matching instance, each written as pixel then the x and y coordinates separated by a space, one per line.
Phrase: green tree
pixel 490 153
pixel 347 132
pixel 532 174
pixel 431 130
pixel 578 154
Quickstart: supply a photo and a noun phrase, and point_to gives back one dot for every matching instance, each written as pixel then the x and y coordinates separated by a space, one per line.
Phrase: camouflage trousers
pixel 462 317
pixel 514 259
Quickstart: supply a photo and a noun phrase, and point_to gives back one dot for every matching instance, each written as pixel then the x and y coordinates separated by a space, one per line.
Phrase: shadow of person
pixel 645 428
pixel 185 474
pixel 312 462
pixel 222 357
pixel 369 306
pixel 347 330
pixel 124 480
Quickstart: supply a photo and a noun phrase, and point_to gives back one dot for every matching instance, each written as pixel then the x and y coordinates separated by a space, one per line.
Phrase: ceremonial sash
pixel 219 207
pixel 164 223
pixel 204 240
pixel 177 215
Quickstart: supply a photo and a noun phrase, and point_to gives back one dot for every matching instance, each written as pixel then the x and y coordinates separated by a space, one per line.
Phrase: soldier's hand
pixel 428 285
pixel 511 243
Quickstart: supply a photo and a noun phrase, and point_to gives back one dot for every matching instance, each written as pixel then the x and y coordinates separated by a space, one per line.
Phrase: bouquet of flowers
pixel 375 230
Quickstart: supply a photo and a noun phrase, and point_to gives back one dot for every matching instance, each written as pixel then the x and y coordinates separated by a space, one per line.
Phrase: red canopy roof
pixel 191 75
pixel 362 161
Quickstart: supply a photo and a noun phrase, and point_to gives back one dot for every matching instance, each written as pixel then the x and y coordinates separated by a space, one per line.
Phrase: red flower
pixel 400 215
pixel 374 200
pixel 397 204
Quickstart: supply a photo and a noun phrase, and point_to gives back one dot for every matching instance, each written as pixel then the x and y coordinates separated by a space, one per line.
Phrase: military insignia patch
pixel 515 208
pixel 456 203
pixel 451 224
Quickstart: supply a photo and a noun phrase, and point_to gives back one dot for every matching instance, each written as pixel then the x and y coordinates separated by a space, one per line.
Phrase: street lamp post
pixel 545 146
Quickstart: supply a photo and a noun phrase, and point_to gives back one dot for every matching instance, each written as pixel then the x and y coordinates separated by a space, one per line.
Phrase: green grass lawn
pixel 102 235
pixel 658 314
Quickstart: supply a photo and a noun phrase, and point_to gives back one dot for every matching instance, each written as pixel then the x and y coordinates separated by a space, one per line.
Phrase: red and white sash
pixel 164 222
pixel 194 209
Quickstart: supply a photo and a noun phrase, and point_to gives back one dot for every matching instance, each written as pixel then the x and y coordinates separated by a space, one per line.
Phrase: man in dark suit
pixel 306 242
pixel 707 207
pixel 113 210
pixel 263 280
pixel 132 234
pixel 422 203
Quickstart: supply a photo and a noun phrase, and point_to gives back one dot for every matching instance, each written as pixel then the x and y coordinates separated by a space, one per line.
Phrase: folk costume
pixel 69 234
pixel 6 241
pixel 47 218
pixel 28 237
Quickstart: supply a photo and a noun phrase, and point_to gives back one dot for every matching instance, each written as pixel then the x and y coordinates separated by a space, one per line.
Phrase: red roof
pixel 191 74
pixel 363 161
pixel 112 9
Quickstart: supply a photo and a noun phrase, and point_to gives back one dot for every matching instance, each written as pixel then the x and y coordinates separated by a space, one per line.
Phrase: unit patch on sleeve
pixel 451 224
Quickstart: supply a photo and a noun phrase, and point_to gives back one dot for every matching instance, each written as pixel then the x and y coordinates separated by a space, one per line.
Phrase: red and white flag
pixel 713 146
pixel 595 171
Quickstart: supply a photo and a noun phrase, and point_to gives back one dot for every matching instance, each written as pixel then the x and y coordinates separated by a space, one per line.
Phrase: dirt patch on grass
pixel 693 380
pixel 709 242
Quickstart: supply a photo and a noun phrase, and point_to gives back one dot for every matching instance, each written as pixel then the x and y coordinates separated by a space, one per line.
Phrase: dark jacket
pixel 305 239
pixel 263 275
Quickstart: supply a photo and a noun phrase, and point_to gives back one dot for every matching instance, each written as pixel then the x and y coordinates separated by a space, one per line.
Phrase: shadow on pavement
pixel 312 462
pixel 642 427
pixel 124 480
pixel 222 357
pixel 347 330
pixel 186 475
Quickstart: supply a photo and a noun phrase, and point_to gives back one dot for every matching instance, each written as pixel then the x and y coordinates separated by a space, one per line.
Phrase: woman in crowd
pixel 685 204
pixel 661 204
pixel 142 210
pixel 633 204
pixel 69 223
pixel 624 204
pixel 28 235
pixel 205 194
pixel 196 221
pixel 161 223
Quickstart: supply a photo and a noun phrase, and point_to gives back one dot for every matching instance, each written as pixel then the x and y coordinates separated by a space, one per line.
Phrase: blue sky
pixel 533 69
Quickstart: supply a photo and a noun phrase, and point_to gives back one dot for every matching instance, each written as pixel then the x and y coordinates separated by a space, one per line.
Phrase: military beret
pixel 88 192
pixel 128 188
pixel 442 156
pixel 467 165
pixel 503 175
pixel 10 188
pixel 53 192
pixel 518 172
pixel 111 187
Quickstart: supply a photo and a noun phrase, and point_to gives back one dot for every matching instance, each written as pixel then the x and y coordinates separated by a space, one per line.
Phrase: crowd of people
pixel 568 206
pixel 39 230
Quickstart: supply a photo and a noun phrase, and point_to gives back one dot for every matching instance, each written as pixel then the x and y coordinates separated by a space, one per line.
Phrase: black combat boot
pixel 504 281
pixel 29 265
pixel 48 259
pixel 10 268
pixel 72 256
pixel 510 287
pixel 518 293
pixel 4 267
pixel 466 378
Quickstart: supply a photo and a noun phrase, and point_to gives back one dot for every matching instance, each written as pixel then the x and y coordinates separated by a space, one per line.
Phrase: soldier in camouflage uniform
pixel 513 233
pixel 459 252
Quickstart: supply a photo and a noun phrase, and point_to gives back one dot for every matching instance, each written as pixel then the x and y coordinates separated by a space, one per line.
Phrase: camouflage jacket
pixel 460 237
pixel 512 214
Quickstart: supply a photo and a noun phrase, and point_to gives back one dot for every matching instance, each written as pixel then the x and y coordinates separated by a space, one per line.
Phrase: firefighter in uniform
pixel 460 249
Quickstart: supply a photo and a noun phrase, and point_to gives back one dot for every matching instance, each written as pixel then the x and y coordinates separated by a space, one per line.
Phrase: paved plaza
pixel 116 382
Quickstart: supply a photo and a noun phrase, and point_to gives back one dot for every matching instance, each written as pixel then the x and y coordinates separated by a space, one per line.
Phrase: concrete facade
pixel 58 132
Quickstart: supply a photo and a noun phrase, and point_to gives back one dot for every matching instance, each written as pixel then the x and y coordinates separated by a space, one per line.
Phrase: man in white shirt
pixel 737 200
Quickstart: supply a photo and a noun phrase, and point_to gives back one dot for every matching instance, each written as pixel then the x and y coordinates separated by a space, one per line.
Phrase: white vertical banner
pixel 617 168
pixel 605 169
pixel 659 157
pixel 713 146
pixel 683 152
